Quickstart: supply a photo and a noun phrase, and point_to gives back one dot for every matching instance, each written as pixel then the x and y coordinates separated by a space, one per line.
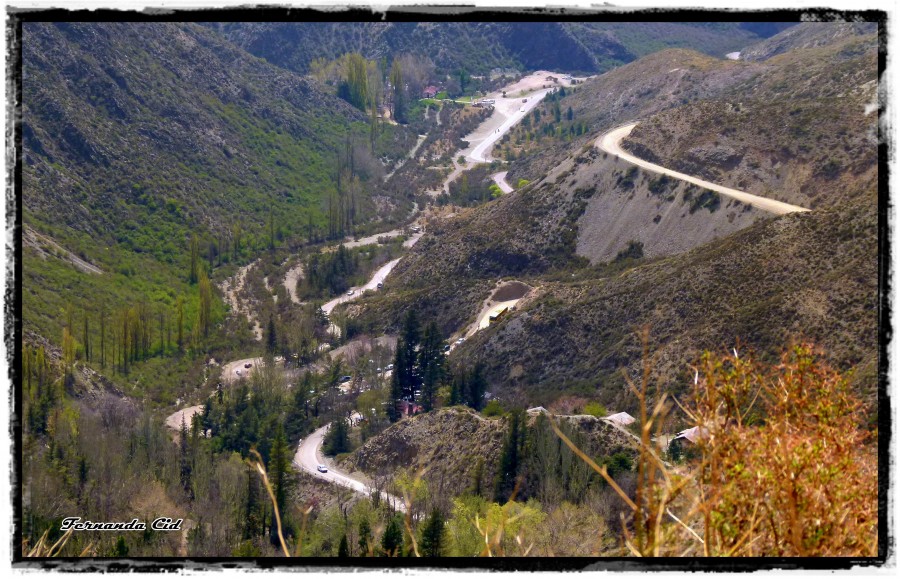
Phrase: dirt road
pixel 500 180
pixel 611 143
pixel 232 288
pixel 309 456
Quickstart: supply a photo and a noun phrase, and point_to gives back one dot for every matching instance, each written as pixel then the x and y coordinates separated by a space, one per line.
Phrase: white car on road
pixel 322 468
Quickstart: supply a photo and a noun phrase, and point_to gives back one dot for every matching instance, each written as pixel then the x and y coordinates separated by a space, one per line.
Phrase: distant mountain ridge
pixel 587 47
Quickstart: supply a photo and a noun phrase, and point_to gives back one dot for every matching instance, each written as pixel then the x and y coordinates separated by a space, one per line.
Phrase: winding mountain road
pixel 309 457
pixel 611 143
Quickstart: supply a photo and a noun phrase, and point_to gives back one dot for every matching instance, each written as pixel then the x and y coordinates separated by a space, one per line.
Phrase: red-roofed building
pixel 430 91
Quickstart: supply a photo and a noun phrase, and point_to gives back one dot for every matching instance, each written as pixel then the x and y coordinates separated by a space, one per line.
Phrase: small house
pixel 429 92
pixel 408 408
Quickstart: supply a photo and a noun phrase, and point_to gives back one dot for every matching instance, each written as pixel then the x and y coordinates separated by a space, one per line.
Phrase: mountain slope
pixel 802 131
pixel 481 46
pixel 138 134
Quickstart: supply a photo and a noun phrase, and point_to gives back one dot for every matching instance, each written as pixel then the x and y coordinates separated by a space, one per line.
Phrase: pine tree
pixel 336 441
pixel 398 111
pixel 431 363
pixel 392 540
pixel 509 462
pixel 271 338
pixel 477 475
pixel 195 256
pixel 365 537
pixel 205 303
pixel 476 387
pixel 396 382
pixel 433 535
pixel 410 380
pixel 185 459
pixel 179 314
pixel 343 548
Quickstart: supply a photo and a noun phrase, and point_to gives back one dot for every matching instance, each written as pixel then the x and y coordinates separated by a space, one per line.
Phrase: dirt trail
pixel 410 155
pixel 45 245
pixel 611 143
pixel 294 275
pixel 232 288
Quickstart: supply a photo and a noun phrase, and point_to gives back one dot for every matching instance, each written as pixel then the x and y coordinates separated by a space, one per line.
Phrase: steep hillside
pixel 481 46
pixel 806 35
pixel 809 275
pixel 698 271
pixel 448 444
pixel 138 134
pixel 802 132
pixel 657 82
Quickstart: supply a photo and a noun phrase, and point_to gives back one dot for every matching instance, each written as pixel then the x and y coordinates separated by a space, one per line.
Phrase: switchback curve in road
pixel 309 456
pixel 611 142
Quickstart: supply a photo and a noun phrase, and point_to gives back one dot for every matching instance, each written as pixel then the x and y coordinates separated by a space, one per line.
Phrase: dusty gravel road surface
pixel 309 456
pixel 611 143
pixel 500 180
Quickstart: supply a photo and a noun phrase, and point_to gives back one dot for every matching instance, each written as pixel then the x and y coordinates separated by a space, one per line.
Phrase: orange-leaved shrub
pixel 802 479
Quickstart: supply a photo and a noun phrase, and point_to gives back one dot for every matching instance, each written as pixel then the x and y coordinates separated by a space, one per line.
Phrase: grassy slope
pixel 137 135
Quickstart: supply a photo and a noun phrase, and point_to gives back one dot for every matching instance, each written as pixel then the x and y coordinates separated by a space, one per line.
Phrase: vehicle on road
pixel 522 110
pixel 524 100
pixel 380 285
pixel 446 347
pixel 350 293
pixel 346 379
pixel 238 372
pixel 378 370
pixel 390 367
pixel 322 468
pixel 248 365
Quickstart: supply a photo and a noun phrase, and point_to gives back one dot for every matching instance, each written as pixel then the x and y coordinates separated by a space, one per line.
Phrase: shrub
pixel 492 408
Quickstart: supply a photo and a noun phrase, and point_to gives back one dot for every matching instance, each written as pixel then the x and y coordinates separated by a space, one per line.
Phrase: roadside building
pixel 408 408
pixel 429 92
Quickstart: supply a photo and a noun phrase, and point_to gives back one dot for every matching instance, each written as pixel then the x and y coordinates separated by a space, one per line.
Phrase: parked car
pixel 346 379
pixel 380 285
pixel 390 367
pixel 248 365
pixel 322 468
pixel 350 293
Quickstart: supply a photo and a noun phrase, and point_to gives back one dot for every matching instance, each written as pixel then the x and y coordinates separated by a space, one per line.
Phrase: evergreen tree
pixel 336 441
pixel 433 535
pixel 431 364
pixel 343 548
pixel 476 386
pixel 205 302
pixel 195 258
pixel 477 475
pixel 271 337
pixel 396 383
pixel 365 537
pixel 410 380
pixel 185 459
pixel 392 540
pixel 399 100
pixel 509 461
